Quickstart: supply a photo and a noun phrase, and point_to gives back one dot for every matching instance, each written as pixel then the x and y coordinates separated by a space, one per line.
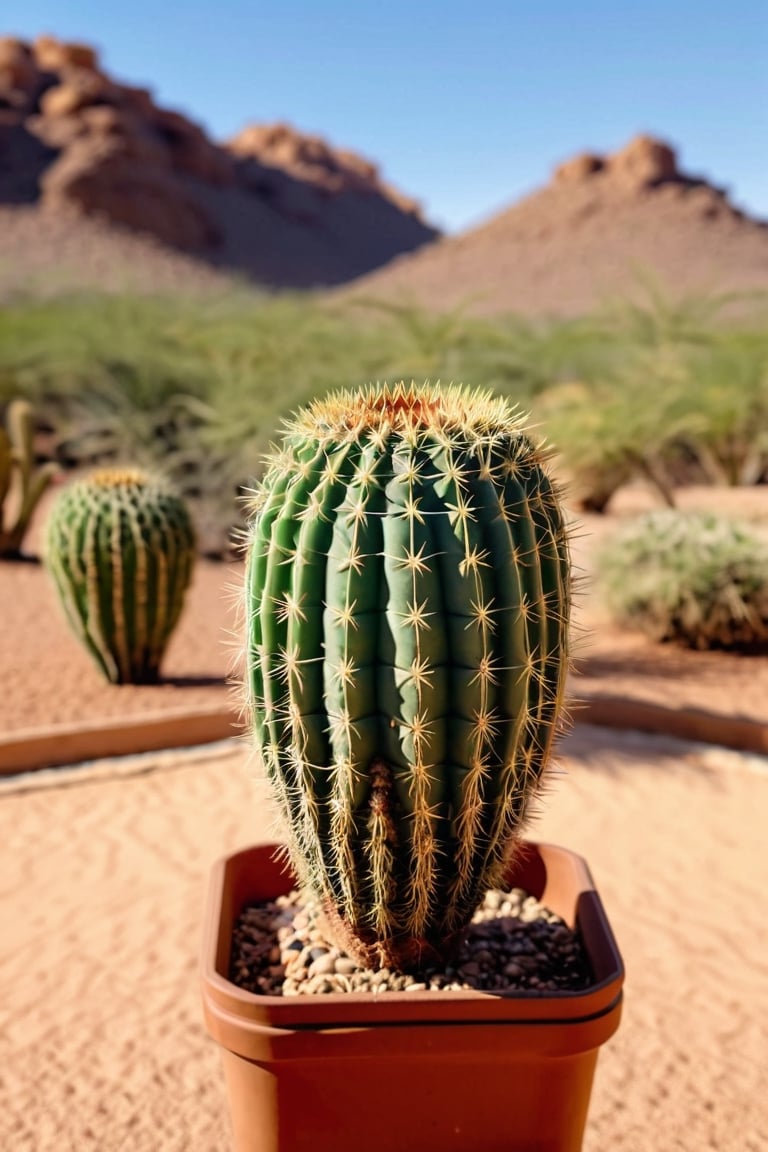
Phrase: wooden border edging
pixel 737 732
pixel 33 748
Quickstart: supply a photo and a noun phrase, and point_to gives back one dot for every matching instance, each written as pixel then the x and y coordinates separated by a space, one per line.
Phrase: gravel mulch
pixel 514 944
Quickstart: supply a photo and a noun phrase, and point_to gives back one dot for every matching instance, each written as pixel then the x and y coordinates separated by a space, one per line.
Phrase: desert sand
pixel 49 681
pixel 101 1038
pixel 102 1044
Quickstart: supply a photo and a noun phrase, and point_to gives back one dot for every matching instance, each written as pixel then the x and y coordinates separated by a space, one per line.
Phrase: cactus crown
pixel 120 546
pixel 404 409
pixel 121 478
pixel 407 594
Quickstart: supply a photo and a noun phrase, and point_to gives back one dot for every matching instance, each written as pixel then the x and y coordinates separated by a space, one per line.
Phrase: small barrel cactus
pixel 407 604
pixel 120 547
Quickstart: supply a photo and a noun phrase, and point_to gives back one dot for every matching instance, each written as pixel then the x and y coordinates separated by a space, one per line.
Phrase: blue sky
pixel 464 105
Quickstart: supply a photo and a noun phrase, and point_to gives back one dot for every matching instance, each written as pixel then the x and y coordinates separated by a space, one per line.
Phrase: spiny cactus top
pixel 120 546
pixel 407 595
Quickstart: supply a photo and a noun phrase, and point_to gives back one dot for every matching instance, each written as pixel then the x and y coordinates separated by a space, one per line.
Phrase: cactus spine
pixel 406 596
pixel 18 474
pixel 120 547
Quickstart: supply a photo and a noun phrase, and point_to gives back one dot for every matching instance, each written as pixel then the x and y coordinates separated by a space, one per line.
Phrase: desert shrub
pixel 193 387
pixel 97 344
pixel 648 316
pixel 591 459
pixel 692 578
pixel 659 389
pixel 679 396
pixel 726 425
pixel 515 356
pixel 624 423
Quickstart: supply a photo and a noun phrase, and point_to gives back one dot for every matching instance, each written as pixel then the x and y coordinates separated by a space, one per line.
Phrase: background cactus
pixel 691 578
pixel 120 546
pixel 407 602
pixel 20 481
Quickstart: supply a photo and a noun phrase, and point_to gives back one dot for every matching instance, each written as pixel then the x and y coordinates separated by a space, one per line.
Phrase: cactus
pixel 19 476
pixel 407 600
pixel 691 578
pixel 120 547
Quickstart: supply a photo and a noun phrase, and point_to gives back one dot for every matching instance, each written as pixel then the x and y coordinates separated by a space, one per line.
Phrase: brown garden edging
pixel 32 748
pixel 738 732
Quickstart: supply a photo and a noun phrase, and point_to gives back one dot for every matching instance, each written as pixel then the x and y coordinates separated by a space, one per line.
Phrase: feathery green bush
pixel 674 391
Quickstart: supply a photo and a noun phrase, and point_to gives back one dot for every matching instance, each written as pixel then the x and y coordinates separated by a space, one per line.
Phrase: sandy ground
pixel 49 680
pixel 101 1039
pixel 616 662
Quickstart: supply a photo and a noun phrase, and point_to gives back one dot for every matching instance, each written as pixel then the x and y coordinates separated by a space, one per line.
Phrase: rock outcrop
pixel 313 161
pixel 643 163
pixel 284 208
pixel 602 222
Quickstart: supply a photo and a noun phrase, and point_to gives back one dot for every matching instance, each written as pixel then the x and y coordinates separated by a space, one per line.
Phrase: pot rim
pixel 557 876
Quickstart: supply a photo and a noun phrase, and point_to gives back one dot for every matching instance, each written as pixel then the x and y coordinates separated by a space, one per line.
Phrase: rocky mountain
pixel 600 223
pixel 101 187
pixel 281 208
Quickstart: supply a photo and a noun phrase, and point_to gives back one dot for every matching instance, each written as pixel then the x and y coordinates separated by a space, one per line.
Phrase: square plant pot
pixel 430 1071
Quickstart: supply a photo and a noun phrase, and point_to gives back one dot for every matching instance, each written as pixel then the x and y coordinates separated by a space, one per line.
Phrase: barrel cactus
pixel 407 602
pixel 121 547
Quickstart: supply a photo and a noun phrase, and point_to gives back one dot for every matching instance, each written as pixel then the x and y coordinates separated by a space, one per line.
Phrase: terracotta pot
pixel 432 1072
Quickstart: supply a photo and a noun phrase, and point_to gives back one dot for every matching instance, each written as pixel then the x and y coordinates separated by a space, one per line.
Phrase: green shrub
pixel 673 391
pixel 692 578
pixel 726 394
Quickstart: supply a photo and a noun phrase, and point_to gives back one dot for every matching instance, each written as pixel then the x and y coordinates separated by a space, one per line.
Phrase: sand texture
pixel 48 679
pixel 104 873
pixel 102 1044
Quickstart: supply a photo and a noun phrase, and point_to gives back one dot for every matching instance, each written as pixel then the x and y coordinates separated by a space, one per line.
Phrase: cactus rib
pixel 407 598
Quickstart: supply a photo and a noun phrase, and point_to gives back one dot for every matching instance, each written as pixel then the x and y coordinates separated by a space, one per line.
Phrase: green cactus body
pixel 19 478
pixel 120 547
pixel 406 596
